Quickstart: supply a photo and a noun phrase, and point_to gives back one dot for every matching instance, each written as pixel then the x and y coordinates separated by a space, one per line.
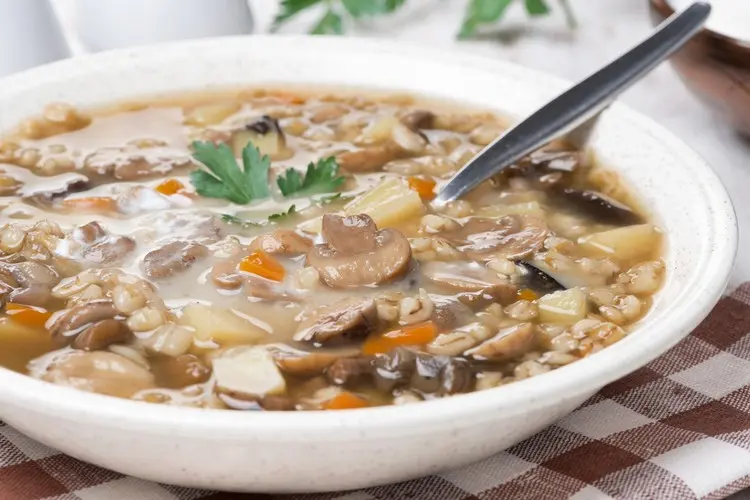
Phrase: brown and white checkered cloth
pixel 678 428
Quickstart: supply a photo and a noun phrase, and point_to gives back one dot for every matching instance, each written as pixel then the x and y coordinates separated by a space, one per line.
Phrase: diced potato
pixel 378 131
pixel 220 325
pixel 249 372
pixel 389 203
pixel 566 306
pixel 530 207
pixel 572 276
pixel 269 144
pixel 210 114
pixel 623 243
pixel 20 343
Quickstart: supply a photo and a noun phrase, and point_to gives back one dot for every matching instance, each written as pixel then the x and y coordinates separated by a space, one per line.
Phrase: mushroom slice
pixel 101 334
pixel 68 323
pixel 102 372
pixel 281 242
pixel 418 119
pixel 508 343
pixel 598 206
pixel 302 363
pixel 350 318
pixel 357 254
pixel 467 279
pixel 173 258
pixel 511 236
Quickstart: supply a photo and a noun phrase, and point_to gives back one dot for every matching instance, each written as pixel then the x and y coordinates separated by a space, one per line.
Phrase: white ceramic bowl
pixel 315 451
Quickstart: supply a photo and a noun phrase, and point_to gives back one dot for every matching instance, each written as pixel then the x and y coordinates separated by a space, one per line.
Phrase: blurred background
pixel 569 38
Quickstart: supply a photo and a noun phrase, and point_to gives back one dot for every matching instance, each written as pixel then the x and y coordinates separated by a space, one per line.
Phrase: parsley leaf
pixel 536 7
pixel 291 211
pixel 225 179
pixel 482 12
pixel 289 9
pixel 321 177
pixel 234 220
pixel 329 24
pixel 362 8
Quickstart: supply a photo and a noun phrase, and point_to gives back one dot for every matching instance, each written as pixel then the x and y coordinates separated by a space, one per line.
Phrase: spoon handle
pixel 577 104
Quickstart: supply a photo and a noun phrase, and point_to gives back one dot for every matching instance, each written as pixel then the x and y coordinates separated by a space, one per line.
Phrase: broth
pixel 125 272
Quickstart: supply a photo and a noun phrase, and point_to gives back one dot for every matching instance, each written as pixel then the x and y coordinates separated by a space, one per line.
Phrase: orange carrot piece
pixel 421 333
pixel 345 401
pixel 262 264
pixel 92 204
pixel 170 187
pixel 34 317
pixel 527 294
pixel 424 187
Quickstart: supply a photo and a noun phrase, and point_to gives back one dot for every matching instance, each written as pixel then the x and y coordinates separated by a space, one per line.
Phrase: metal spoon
pixel 578 104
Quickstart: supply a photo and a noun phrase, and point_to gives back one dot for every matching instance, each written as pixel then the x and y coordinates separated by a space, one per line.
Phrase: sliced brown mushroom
pixel 100 247
pixel 368 159
pixel 65 324
pixel 303 363
pixel 418 119
pixel 512 237
pixel 172 258
pixel 506 344
pixel 281 242
pixel 101 334
pixel 357 254
pixel 472 282
pixel 28 283
pixel 597 206
pixel 102 372
pixel 350 318
pixel 180 371
pixel 441 375
pixel 350 371
pixel 449 312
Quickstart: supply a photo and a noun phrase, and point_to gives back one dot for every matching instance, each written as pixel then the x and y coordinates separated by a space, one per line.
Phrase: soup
pixel 278 250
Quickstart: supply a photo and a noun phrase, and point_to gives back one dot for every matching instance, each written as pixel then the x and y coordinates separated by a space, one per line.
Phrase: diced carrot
pixel 424 187
pixel 345 401
pixel 421 333
pixel 289 97
pixel 170 187
pixel 92 204
pixel 34 317
pixel 262 264
pixel 527 294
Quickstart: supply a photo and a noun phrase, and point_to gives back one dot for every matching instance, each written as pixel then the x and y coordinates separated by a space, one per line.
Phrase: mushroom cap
pixel 352 317
pixel 356 253
pixel 511 236
pixel 469 278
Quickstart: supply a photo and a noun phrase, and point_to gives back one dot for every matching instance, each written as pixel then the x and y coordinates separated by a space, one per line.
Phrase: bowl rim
pixel 482 406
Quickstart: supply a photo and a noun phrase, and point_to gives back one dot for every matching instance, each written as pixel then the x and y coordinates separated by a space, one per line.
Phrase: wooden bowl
pixel 716 68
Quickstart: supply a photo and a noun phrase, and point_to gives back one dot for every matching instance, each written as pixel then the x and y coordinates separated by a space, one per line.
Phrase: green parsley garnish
pixel 478 13
pixel 225 178
pixel 291 211
pixel 236 221
pixel 321 177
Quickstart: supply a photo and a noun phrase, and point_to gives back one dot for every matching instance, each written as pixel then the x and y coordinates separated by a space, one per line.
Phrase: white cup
pixel 110 24
pixel 30 35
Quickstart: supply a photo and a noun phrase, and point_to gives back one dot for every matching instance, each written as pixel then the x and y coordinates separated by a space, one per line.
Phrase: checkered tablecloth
pixel 678 428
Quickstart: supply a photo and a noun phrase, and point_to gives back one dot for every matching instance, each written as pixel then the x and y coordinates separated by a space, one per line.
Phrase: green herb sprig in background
pixel 478 13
